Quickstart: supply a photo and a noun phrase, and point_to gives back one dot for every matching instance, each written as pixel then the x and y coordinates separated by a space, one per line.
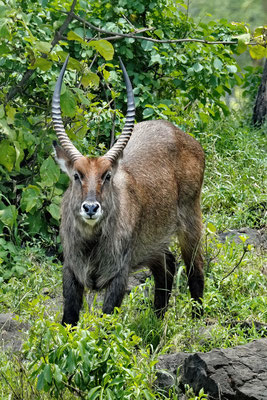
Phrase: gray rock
pixel 256 237
pixel 238 373
pixel 137 278
pixel 11 332
pixel 168 368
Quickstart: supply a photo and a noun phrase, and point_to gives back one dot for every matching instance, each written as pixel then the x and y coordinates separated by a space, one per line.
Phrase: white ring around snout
pixel 91 220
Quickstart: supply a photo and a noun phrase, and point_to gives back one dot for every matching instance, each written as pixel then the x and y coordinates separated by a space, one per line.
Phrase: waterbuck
pixel 122 209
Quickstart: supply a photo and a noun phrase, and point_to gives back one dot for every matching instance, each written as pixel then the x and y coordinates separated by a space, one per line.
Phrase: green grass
pixel 127 344
pixel 234 192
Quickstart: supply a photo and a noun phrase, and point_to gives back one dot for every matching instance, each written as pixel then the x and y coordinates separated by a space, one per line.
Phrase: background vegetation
pixel 187 82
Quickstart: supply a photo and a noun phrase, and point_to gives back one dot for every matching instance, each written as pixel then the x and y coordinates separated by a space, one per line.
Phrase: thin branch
pixel 64 26
pixel 245 250
pixel 93 61
pixel 57 37
pixel 74 389
pixel 127 20
pixel 134 35
pixel 5 378
pixel 14 90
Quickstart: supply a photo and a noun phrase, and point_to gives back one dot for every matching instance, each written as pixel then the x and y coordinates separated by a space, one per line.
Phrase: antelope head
pixel 90 177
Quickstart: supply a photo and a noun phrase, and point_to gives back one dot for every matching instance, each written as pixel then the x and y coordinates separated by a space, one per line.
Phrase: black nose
pixel 90 209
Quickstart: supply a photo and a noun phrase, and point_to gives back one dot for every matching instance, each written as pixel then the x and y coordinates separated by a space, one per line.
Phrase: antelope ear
pixel 63 159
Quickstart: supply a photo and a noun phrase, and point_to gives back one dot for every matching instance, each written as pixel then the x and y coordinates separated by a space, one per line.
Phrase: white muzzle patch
pixel 91 212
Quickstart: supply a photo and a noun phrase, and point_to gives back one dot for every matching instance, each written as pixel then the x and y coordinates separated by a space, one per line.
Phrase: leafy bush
pixel 102 362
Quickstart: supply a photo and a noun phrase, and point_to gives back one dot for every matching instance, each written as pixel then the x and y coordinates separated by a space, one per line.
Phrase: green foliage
pixel 102 362
pixel 27 277
pixel 234 189
pixel 252 76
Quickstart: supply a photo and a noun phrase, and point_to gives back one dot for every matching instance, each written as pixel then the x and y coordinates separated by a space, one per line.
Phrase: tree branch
pixel 64 26
pixel 57 37
pixel 117 35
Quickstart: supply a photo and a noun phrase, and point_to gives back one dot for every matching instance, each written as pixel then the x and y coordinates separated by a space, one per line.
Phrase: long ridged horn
pixel 115 151
pixel 57 120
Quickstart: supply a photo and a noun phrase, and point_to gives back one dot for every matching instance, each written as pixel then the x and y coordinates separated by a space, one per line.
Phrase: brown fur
pixel 153 195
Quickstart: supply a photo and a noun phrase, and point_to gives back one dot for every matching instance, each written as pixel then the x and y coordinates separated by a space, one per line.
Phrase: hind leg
pixel 163 270
pixel 190 242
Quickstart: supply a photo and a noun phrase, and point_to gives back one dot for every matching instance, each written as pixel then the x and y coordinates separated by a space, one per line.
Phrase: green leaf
pixel 106 74
pixel 159 33
pixel 259 31
pixel 2 111
pixel 3 10
pixel 155 59
pixel 148 396
pixel 70 362
pixel 4 49
pixel 7 155
pixel 74 36
pixel 36 223
pixel 49 172
pixel 42 63
pixel 57 374
pixel 238 79
pixel 4 29
pixel 211 228
pixel 10 112
pixel 217 64
pixel 241 47
pixel 54 210
pixel 43 47
pixel 30 198
pixel 19 155
pixel 197 67
pixel 182 58
pixel 147 46
pixel 109 394
pixel 9 215
pixel 74 64
pixel 68 103
pixel 231 68
pixel 204 117
pixel 47 373
pixel 90 78
pixel 243 238
pixel 257 52
pixel 148 112
pixel 93 393
pixel 104 47
pixel 40 382
pixel 245 38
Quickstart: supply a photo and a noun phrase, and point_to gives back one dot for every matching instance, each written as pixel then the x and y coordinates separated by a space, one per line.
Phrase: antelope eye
pixel 76 177
pixel 106 177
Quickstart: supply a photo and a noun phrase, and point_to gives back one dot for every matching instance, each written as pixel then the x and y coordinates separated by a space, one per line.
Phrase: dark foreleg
pixel 163 271
pixel 115 291
pixel 73 297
